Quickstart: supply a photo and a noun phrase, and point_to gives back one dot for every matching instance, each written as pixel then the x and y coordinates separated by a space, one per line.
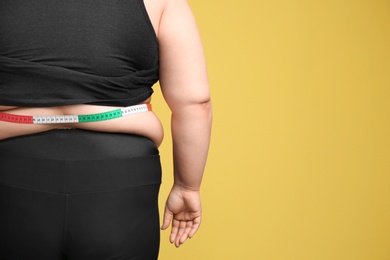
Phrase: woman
pixel 85 186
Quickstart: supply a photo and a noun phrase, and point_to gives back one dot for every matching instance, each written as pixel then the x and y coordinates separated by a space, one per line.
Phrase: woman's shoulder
pixel 157 8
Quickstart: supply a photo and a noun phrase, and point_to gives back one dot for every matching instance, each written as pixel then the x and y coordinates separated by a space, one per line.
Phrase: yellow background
pixel 299 166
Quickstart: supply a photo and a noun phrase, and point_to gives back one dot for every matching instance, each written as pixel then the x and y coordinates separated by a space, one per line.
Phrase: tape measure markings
pixel 58 119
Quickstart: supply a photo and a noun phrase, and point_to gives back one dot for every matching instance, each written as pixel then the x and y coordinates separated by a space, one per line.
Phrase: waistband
pixel 79 176
pixel 62 119
pixel 79 161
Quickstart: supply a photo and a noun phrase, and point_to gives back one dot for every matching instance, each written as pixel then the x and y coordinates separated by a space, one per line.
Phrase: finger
pixel 185 234
pixel 167 219
pixel 182 228
pixel 195 226
pixel 174 231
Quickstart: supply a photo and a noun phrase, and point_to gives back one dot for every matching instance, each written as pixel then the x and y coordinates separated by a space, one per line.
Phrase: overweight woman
pixel 79 163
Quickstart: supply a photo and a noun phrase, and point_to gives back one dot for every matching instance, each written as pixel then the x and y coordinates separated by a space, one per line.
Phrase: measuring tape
pixel 63 119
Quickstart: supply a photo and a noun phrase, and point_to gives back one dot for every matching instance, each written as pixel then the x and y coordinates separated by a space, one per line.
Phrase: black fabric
pixel 99 205
pixel 58 52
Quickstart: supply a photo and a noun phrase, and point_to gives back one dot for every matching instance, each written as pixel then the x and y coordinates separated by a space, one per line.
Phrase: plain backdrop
pixel 299 165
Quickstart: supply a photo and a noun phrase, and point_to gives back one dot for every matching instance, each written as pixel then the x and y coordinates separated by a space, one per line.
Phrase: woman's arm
pixel 184 83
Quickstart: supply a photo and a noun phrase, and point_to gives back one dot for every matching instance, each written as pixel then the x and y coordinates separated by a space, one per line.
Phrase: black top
pixel 63 52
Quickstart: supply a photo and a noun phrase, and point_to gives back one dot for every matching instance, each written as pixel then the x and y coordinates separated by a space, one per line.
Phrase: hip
pixel 69 161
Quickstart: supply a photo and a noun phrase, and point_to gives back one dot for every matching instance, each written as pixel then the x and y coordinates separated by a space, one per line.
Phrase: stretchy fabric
pixel 55 52
pixel 79 195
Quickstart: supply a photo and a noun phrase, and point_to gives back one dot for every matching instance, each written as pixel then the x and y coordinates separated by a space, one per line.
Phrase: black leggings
pixel 74 194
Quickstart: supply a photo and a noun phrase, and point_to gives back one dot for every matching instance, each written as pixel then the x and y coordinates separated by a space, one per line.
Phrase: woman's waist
pixel 138 119
pixel 72 108
pixel 72 114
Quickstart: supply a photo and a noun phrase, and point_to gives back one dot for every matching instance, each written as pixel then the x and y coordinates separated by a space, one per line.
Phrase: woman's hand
pixel 183 208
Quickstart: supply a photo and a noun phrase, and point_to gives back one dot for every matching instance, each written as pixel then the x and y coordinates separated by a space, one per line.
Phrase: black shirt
pixel 63 52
